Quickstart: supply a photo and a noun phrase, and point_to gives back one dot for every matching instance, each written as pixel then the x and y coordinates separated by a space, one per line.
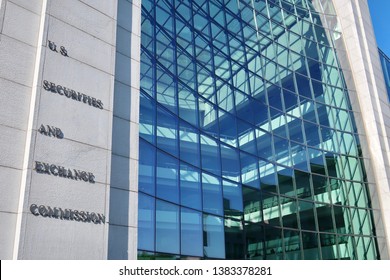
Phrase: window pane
pixel 167 227
pixel 191 233
pixel 146 222
pixel 189 144
pixel 232 198
pixel 147 163
pixel 210 155
pixel 190 189
pixel 167 178
pixel 212 194
pixel 214 239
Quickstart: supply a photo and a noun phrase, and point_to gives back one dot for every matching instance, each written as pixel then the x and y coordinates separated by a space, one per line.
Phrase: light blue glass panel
pixel 232 198
pixel 189 144
pixel 212 194
pixel 249 171
pixel 230 163
pixel 167 132
pixel 167 178
pixel 147 119
pixel 191 232
pixel 211 160
pixel 167 228
pixel 227 128
pixel 147 167
pixel 190 187
pixel 146 222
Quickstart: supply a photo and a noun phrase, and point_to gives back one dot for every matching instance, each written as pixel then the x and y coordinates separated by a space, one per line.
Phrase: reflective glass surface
pixel 385 61
pixel 248 148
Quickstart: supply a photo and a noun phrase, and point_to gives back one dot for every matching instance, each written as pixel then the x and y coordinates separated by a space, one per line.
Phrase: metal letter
pixel 42 210
pixel 59 133
pixel 60 90
pixel 53 46
pixel 70 175
pixel 39 167
pixel 53 87
pixel 51 131
pixel 100 104
pixel 42 130
pixel 54 170
pixel 47 168
pixel 63 51
pixel 91 178
pixel 46 85
pixel 34 209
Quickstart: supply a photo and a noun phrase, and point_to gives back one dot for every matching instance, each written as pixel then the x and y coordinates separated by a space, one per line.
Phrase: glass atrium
pixel 248 143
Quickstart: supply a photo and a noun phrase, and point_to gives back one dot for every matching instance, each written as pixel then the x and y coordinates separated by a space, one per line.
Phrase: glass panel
pixel 191 233
pixel 232 198
pixel 213 237
pixel 306 215
pixel 147 163
pixel 146 222
pixel 273 244
pixel 289 214
pixel 286 181
pixel 230 163
pixel 328 246
pixel 190 187
pixel 310 246
pixel 249 171
pixel 255 241
pixel 167 132
pixel 302 182
pixel 167 227
pixel 189 144
pixel 210 155
pixel 147 117
pixel 292 244
pixel 167 178
pixel 234 239
pixel 252 205
pixel 212 194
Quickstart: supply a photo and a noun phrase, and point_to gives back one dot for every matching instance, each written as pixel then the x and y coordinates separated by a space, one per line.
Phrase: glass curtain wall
pixel 248 146
pixel 385 61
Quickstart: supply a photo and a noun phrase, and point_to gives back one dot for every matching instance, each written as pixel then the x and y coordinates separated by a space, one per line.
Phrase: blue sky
pixel 380 15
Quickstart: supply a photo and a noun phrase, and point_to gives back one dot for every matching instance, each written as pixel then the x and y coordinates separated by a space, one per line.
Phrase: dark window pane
pixel 234 239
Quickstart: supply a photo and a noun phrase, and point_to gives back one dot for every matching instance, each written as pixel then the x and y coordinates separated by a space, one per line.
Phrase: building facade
pixel 207 129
